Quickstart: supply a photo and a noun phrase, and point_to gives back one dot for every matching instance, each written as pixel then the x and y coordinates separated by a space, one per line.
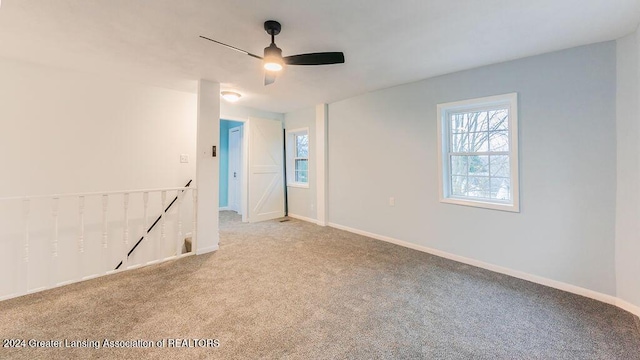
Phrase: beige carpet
pixel 299 291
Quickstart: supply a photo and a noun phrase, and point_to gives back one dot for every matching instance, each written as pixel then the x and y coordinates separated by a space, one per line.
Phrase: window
pixel 478 152
pixel 298 158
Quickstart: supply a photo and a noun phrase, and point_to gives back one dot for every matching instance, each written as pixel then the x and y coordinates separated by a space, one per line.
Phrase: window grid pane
pixel 301 170
pixel 302 145
pixel 479 154
pixel 302 176
pixel 298 157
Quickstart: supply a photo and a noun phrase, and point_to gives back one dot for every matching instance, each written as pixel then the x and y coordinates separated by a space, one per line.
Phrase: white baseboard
pixel 10 296
pixel 223 208
pixel 625 305
pixel 94 276
pixel 207 250
pixel 303 218
pixel 609 299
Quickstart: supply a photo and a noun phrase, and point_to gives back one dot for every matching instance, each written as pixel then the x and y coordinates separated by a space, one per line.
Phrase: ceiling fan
pixel 273 61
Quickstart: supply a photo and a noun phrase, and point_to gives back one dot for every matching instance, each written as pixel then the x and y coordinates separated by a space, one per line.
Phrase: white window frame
pixel 291 158
pixel 444 176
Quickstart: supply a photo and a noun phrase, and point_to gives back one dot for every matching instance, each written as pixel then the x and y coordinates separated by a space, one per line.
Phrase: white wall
pixel 302 201
pixel 383 144
pixel 628 161
pixel 207 172
pixel 238 112
pixel 65 132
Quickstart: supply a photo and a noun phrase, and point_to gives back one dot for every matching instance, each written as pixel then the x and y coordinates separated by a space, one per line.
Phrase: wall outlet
pixel 184 158
pixel 392 201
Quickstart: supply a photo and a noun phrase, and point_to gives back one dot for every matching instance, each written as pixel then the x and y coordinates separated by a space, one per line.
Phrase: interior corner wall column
pixel 207 166
pixel 322 112
pixel 627 230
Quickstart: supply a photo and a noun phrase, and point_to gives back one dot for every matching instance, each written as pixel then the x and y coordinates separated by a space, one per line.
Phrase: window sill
pixel 482 204
pixel 298 185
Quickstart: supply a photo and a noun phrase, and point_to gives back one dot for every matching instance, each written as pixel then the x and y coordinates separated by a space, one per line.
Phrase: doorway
pixel 252 169
pixel 235 170
pixel 230 199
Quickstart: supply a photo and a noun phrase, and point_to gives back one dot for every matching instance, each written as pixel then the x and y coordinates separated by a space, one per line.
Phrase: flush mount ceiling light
pixel 230 96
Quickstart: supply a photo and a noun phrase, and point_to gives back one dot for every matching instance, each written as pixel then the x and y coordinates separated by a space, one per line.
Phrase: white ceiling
pixel 386 43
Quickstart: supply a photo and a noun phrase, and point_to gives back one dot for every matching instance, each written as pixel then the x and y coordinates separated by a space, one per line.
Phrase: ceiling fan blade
pixel 324 58
pixel 270 77
pixel 232 47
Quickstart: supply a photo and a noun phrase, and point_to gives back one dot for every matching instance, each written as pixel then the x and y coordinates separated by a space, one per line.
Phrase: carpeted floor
pixel 299 291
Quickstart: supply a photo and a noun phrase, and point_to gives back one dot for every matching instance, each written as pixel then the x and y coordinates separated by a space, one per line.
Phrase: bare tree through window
pixel 301 160
pixel 479 154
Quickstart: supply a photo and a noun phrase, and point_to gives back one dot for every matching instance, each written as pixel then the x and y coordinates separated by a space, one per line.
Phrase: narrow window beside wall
pixel 298 158
pixel 478 152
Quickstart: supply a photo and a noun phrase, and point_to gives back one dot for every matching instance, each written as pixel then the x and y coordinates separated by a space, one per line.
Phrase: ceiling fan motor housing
pixel 272 51
pixel 272 27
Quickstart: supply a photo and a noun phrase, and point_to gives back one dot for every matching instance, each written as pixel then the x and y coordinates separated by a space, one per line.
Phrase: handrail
pixel 37 230
pixel 155 222
pixel 119 192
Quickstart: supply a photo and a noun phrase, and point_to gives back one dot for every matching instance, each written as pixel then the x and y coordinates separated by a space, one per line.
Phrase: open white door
pixel 265 164
pixel 235 166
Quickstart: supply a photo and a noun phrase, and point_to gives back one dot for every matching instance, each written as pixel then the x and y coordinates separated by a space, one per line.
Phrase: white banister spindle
pixel 55 212
pixel 163 235
pixel 179 220
pixel 25 256
pixel 125 232
pixel 80 264
pixel 81 224
pixel 194 238
pixel 105 222
pixel 105 232
pixel 145 208
pixel 27 215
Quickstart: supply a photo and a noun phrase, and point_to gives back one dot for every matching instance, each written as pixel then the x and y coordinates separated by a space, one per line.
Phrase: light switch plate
pixel 184 158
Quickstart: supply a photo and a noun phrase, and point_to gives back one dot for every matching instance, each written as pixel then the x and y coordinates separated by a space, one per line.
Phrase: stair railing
pixel 155 222
pixel 45 245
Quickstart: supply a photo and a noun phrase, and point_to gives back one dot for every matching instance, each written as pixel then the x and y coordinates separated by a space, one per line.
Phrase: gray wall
pixel 628 199
pixel 383 144
pixel 302 201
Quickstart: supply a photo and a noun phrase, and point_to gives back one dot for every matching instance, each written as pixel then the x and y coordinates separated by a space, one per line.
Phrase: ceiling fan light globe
pixel 273 58
pixel 272 66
